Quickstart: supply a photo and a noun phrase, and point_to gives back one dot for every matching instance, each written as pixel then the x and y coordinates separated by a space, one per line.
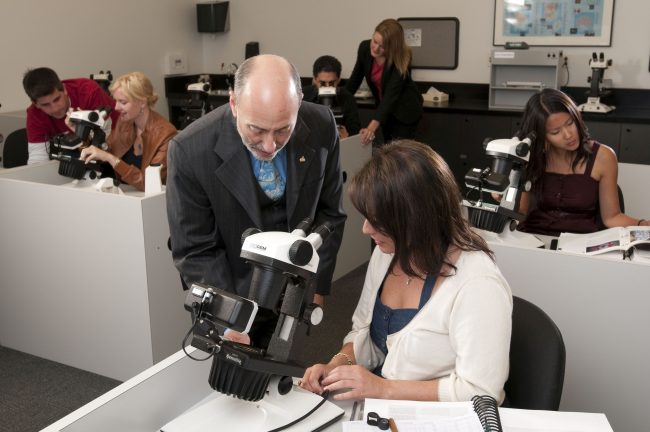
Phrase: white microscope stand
pixel 594 105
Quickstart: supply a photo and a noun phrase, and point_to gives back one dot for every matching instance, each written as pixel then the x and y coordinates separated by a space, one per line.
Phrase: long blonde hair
pixel 136 86
pixel 395 48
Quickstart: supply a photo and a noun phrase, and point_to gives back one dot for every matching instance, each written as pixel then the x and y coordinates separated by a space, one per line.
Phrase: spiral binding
pixel 488 413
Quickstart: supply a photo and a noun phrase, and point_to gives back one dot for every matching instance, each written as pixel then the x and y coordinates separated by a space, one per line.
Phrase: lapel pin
pixel 302 159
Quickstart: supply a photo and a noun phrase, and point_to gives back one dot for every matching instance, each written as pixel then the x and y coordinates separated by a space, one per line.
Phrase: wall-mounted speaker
pixel 212 17
pixel 252 49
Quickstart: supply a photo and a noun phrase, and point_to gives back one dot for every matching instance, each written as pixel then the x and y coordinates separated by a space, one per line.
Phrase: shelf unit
pixel 515 75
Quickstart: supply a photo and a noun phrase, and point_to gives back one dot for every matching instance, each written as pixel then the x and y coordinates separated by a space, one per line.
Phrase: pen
pixel 392 425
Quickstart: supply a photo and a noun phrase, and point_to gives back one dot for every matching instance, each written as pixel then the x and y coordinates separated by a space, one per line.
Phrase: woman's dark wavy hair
pixel 407 192
pixel 533 123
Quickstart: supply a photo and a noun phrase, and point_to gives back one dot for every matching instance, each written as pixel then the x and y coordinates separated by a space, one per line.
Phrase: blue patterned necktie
pixel 270 180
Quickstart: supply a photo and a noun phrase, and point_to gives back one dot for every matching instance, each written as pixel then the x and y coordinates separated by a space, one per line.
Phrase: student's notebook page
pixel 413 416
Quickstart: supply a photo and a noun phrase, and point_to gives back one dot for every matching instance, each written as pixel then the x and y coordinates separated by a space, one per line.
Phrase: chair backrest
pixel 15 149
pixel 537 359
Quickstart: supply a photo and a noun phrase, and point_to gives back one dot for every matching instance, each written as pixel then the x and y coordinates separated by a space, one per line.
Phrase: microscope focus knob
pixel 522 149
pixel 249 232
pixel 300 252
pixel 93 116
pixel 313 314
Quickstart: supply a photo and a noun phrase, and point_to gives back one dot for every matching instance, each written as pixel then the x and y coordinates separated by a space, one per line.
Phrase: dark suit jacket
pixel 401 97
pixel 211 195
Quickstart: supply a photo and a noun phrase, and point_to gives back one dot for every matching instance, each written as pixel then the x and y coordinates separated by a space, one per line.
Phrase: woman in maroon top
pixel 573 178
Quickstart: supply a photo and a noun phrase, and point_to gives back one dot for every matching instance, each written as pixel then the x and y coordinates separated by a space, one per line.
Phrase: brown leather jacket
pixel 155 137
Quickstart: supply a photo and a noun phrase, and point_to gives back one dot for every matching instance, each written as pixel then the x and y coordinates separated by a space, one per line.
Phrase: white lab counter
pixel 86 278
pixel 601 307
pixel 166 390
pixel 158 395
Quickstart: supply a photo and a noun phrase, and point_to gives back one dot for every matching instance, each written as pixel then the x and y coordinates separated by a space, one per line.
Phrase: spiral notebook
pixel 479 415
pixel 487 410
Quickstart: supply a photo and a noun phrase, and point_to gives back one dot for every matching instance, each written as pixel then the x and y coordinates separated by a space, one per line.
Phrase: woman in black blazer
pixel 385 62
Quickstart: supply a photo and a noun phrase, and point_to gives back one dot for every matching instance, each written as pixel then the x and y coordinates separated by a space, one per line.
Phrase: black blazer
pixel 212 199
pixel 401 96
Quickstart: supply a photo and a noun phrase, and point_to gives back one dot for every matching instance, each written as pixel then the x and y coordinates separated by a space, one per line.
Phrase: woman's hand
pixel 313 376
pixel 367 136
pixel 93 153
pixel 354 382
pixel 235 336
pixel 368 133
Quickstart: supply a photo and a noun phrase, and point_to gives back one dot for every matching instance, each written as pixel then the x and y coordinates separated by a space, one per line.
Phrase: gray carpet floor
pixel 35 392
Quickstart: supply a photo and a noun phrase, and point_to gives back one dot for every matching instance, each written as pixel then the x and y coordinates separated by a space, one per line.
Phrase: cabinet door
pixel 440 132
pixel 635 144
pixel 474 131
pixel 606 133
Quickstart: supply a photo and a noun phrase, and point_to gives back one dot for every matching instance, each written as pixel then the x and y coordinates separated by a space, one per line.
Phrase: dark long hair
pixel 538 109
pixel 407 192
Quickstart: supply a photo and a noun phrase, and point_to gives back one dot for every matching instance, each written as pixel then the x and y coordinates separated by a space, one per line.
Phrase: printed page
pixel 595 243
pixel 411 416
pixel 415 410
pixel 639 235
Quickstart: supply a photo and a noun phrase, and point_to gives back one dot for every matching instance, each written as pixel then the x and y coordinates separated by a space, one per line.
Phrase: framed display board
pixel 433 41
pixel 554 23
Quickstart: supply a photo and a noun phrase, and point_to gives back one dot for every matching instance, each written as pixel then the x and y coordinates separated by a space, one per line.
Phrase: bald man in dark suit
pixel 213 194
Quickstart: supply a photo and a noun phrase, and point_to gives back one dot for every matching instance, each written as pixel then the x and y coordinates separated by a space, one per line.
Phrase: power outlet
pixel 175 64
pixel 204 78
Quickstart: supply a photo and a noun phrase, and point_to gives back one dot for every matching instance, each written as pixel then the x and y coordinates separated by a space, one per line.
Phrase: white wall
pixel 302 30
pixel 80 37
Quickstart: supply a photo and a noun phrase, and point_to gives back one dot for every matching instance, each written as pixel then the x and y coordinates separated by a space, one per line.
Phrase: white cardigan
pixel 461 336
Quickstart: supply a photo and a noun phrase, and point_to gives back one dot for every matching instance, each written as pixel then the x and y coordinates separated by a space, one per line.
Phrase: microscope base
pixel 218 412
pixel 593 105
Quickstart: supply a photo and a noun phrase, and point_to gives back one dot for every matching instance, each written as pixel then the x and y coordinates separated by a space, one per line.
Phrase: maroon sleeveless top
pixel 569 203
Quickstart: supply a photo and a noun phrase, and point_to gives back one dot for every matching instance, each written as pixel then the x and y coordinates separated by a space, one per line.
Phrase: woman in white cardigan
pixel 434 318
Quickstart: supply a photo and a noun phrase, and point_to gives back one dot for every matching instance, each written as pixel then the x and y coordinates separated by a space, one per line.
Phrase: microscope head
pixel 199 87
pixel 327 96
pixel 507 155
pixel 66 147
pixel 504 176
pixel 279 256
pixel 90 121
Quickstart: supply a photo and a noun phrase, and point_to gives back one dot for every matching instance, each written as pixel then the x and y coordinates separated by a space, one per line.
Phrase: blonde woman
pixel 385 62
pixel 140 137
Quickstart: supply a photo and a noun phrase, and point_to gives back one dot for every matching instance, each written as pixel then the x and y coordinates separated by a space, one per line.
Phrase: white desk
pixel 151 399
pixel 161 393
pixel 602 309
pixel 86 278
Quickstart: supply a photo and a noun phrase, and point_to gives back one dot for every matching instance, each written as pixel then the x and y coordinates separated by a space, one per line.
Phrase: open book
pixel 480 415
pixel 628 241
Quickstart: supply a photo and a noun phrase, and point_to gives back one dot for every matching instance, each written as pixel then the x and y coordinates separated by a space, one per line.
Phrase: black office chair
pixel 537 359
pixel 15 149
